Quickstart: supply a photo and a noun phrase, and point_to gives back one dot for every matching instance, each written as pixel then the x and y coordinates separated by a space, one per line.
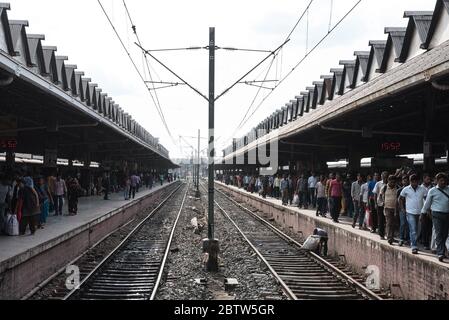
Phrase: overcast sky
pixel 80 30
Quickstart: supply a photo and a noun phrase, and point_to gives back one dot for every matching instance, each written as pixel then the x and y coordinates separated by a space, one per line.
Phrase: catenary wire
pixel 131 59
pixel 304 58
pixel 298 64
pixel 161 113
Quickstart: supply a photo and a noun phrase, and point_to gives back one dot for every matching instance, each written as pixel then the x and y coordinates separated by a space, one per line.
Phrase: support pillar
pixel 355 160
pixel 51 146
pixel 10 161
pixel 429 137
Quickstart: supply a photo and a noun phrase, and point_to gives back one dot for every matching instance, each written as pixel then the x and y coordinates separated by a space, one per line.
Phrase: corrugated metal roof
pixel 41 60
pixel 396 36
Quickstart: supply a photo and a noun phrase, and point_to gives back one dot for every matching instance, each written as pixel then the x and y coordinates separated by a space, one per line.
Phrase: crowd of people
pixel 26 200
pixel 404 207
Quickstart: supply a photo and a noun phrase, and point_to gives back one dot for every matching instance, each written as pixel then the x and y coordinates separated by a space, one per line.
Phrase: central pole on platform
pixel 211 245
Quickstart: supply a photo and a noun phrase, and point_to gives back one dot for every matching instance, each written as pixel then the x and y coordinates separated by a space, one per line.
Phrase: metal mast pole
pixel 211 245
pixel 199 165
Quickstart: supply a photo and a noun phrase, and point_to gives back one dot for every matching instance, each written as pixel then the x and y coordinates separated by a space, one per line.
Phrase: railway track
pixel 302 274
pixel 133 270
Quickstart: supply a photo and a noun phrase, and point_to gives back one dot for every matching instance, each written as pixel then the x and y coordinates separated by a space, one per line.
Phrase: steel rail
pixel 167 249
pixel 121 244
pixel 346 277
pixel 284 286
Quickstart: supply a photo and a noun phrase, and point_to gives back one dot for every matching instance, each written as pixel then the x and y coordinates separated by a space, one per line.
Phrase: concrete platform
pixel 36 257
pixel 408 276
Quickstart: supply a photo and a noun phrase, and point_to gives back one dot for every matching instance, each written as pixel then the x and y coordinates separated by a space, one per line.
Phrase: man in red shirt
pixel 336 193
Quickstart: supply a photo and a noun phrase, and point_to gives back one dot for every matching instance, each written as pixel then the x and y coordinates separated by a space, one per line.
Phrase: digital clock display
pixel 391 147
pixel 10 144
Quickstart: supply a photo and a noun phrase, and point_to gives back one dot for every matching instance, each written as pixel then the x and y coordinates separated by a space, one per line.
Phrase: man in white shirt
pixel 312 182
pixel 356 196
pixel 414 196
pixel 437 202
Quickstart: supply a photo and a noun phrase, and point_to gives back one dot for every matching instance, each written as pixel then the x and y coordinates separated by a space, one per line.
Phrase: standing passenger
pixel 60 192
pixel 284 190
pixel 356 196
pixel 312 182
pixel 372 202
pixel 106 186
pixel 30 209
pixel 73 190
pixel 389 198
pixel 328 195
pixel 336 192
pixel 412 202
pixel 45 199
pixel 277 187
pixel 134 181
pixel 403 225
pixel 379 204
pixel 127 187
pixel 426 219
pixel 438 201
pixel 321 197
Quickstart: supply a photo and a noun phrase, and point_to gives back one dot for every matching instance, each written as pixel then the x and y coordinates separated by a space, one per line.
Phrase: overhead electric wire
pixel 304 58
pixel 273 53
pixel 258 92
pixel 132 61
pixel 239 49
pixel 330 15
pixel 299 20
pixel 254 100
pixel 171 71
pixel 158 106
pixel 176 49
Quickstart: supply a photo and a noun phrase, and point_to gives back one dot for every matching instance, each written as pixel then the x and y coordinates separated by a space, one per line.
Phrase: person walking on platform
pixel 127 187
pixel 134 181
pixel 45 199
pixel 51 189
pixel 404 233
pixel 425 234
pixel 372 202
pixel 30 208
pixel 328 195
pixel 379 204
pixel 438 202
pixel 312 181
pixel 284 191
pixel 301 190
pixel 291 189
pixel 321 197
pixel 356 196
pixel 265 186
pixel 336 193
pixel 277 187
pixel 389 197
pixel 106 186
pixel 412 202
pixel 5 200
pixel 60 192
pixel 73 190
